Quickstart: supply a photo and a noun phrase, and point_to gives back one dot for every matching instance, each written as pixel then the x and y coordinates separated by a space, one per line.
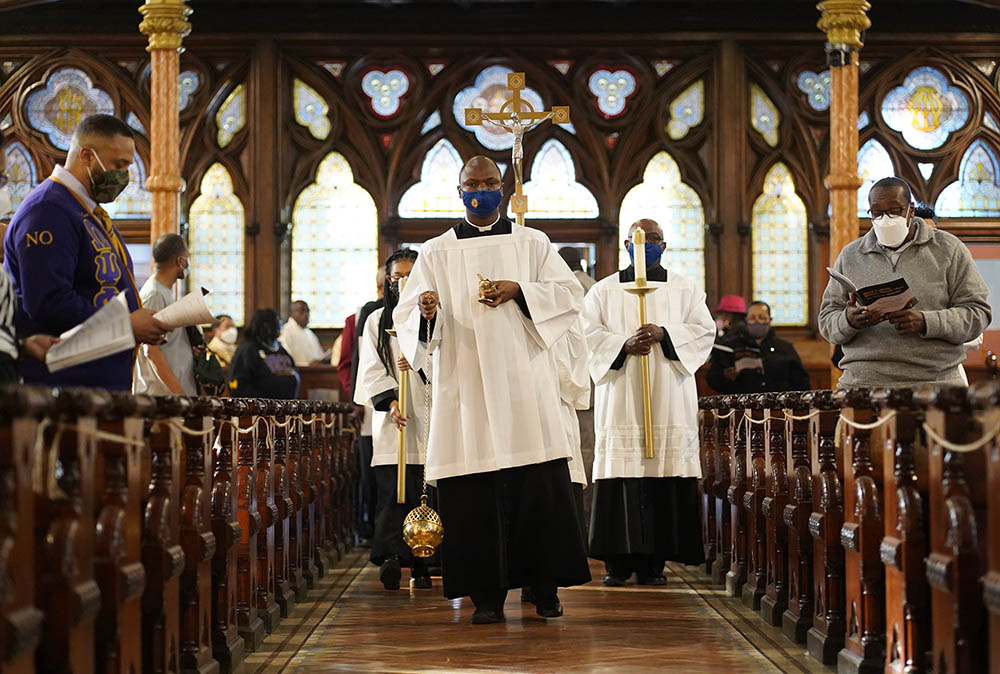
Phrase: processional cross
pixel 515 119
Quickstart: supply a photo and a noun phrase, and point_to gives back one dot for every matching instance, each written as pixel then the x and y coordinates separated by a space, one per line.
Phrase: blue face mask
pixel 653 254
pixel 486 202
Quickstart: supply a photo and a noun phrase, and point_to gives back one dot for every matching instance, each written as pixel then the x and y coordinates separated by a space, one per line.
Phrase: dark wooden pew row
pixel 156 534
pixel 865 523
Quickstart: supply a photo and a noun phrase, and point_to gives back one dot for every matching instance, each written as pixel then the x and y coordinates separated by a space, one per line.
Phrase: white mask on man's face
pixel 5 203
pixel 229 335
pixel 891 230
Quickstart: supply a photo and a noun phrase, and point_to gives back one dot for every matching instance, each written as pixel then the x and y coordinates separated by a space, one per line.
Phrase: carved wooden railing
pixel 865 522
pixel 148 534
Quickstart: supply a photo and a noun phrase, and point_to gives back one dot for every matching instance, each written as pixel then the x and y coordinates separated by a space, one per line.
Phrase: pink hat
pixel 734 304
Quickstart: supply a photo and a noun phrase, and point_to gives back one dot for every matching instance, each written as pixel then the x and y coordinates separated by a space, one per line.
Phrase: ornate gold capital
pixel 165 23
pixel 843 21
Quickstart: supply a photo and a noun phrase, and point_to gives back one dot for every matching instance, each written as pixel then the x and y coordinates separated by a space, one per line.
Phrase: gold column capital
pixel 843 21
pixel 165 23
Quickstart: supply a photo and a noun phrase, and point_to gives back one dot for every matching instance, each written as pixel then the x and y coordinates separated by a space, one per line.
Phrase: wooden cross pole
pixel 517 116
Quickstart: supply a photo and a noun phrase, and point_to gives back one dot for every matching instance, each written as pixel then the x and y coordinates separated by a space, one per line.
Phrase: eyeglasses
pixel 893 212
pixel 394 278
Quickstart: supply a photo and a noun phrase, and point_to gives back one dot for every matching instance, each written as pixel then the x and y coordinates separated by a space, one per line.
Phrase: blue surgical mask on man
pixel 653 254
pixel 482 202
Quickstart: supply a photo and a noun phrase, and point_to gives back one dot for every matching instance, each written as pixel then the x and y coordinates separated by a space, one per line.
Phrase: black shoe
pixel 420 582
pixel 390 573
pixel 655 581
pixel 527 595
pixel 614 581
pixel 550 608
pixel 487 616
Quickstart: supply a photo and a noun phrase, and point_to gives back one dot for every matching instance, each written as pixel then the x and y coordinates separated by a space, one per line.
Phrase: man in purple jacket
pixel 67 258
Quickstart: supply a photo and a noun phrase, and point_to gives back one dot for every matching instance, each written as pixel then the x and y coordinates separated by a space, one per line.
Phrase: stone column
pixel 843 21
pixel 165 23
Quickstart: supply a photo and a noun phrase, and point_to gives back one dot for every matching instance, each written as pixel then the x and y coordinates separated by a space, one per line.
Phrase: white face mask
pixel 5 204
pixel 228 335
pixel 891 230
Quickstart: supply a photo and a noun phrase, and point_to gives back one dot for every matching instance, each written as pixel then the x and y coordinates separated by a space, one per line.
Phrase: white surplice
pixel 374 380
pixel 610 317
pixel 574 392
pixel 496 401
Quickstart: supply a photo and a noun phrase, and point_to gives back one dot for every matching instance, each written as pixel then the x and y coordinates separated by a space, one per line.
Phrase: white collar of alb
pixel 487 227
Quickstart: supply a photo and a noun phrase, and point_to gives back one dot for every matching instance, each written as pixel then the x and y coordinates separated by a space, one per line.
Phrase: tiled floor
pixel 351 624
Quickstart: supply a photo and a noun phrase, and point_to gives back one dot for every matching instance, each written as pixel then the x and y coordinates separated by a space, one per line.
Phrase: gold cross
pixel 517 116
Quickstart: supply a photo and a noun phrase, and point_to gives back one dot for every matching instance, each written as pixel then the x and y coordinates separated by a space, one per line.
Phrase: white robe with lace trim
pixel 610 317
pixel 574 392
pixel 496 397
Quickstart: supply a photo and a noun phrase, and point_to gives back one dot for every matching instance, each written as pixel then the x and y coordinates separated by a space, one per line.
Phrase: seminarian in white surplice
pixel 645 511
pixel 498 449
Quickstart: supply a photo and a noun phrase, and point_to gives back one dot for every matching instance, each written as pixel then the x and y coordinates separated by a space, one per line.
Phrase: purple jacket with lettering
pixel 65 267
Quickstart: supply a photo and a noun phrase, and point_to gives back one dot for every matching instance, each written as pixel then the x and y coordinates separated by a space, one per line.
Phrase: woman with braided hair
pixel 379 367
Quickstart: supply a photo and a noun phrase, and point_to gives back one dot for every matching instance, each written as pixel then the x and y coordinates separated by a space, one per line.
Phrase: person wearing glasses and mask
pixel 780 368
pixel 67 258
pixel 923 344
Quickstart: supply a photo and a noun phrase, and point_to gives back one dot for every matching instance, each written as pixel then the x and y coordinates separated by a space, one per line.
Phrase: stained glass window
pixel 132 120
pixel 612 90
pixel 874 164
pixel 232 116
pixel 990 122
pixel 488 93
pixel 816 87
pixel 764 116
pixel 21 173
pixel 926 168
pixel 310 109
pixel 334 244
pixel 5 122
pixel 687 110
pixel 780 253
pixel 433 121
pixel 553 191
pixel 385 89
pixel 926 109
pixel 436 195
pixel 136 202
pixel 677 208
pixel 976 194
pixel 215 236
pixel 187 83
pixel 863 120
pixel 68 96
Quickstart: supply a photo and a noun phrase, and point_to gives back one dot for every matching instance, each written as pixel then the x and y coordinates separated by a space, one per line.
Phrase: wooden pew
pixel 296 576
pixel 283 501
pixel 248 621
pixel 118 513
pixel 723 476
pixel 797 620
pixel 310 572
pixel 348 470
pixel 227 644
pixel 65 588
pixel 267 608
pixel 314 445
pixel 861 536
pixel 775 599
pixel 737 575
pixel 987 404
pixel 21 412
pixel 753 498
pixel 826 636
pixel 957 490
pixel 904 546
pixel 196 536
pixel 706 485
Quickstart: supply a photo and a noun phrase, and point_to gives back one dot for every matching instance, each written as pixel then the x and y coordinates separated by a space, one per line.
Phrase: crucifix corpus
pixel 517 116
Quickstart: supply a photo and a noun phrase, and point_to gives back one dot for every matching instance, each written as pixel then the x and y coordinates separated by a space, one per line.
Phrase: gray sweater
pixel 950 294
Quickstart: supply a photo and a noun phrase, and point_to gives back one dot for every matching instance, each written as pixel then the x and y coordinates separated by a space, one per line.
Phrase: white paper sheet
pixel 107 332
pixel 192 309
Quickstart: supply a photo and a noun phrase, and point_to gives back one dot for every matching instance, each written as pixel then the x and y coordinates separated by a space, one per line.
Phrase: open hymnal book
pixel 188 310
pixel 107 332
pixel 744 357
pixel 885 297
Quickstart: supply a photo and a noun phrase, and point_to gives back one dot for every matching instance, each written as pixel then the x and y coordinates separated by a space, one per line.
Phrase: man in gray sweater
pixel 919 345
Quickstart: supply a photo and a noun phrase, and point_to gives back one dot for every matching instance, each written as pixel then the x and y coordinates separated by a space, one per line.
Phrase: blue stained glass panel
pixel 384 89
pixel 926 109
pixel 21 173
pixel 489 93
pixel 187 83
pixel 687 110
pixel 553 191
pixel 433 121
pixel 68 96
pixel 874 163
pixel 780 252
pixel 436 194
pixel 976 194
pixel 215 237
pixel 310 109
pixel 612 90
pixel 816 87
pixel 764 116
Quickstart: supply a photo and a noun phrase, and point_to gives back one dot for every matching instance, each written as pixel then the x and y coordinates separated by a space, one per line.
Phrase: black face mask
pixel 106 187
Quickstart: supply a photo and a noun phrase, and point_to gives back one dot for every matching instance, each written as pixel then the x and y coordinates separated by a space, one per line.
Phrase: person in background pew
pixel 223 343
pixel 730 314
pixel 646 510
pixel 920 345
pixel 67 258
pixel 261 367
pixel 781 370
pixel 299 341
pixel 378 387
